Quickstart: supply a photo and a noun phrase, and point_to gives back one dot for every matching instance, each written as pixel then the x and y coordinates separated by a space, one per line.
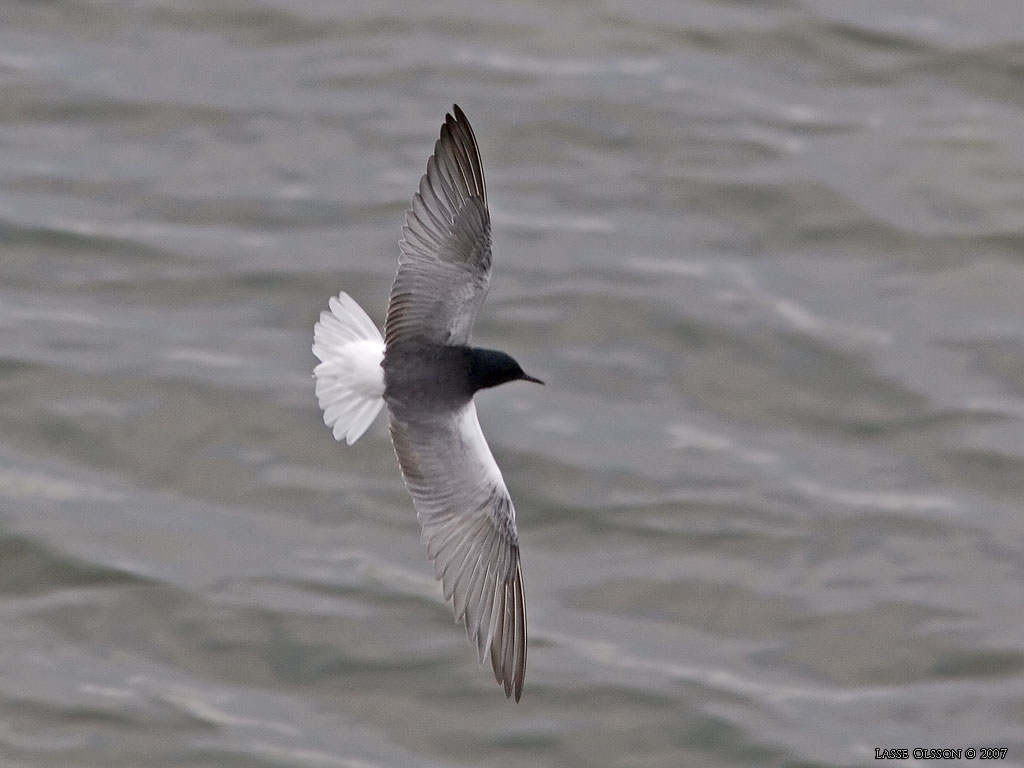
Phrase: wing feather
pixel 468 523
pixel 444 267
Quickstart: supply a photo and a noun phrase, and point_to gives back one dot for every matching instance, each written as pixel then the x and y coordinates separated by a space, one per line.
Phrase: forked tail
pixel 349 378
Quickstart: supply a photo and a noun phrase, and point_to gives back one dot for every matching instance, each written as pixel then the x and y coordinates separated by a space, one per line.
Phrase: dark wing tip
pixel 457 117
pixel 519 671
pixel 508 646
pixel 457 134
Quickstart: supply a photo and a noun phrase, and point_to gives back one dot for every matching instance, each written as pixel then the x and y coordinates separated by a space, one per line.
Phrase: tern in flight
pixel 426 373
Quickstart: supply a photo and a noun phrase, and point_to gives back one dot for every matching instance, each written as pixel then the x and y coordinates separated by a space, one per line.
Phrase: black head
pixel 489 368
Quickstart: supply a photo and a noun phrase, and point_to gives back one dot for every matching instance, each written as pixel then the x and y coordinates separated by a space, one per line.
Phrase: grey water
pixel 768 257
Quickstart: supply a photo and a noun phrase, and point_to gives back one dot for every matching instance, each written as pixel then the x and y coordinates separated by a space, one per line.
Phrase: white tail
pixel 349 378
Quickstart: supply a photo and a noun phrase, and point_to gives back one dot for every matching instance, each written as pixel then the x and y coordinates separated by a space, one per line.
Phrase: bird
pixel 425 372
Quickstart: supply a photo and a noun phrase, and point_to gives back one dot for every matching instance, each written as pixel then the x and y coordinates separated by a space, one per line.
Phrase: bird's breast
pixel 426 377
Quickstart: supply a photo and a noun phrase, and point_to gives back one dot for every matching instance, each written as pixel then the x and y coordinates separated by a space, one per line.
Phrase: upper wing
pixel 444 268
pixel 469 528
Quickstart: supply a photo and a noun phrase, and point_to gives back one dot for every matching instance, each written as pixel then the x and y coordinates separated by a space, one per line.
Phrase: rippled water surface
pixel 769 258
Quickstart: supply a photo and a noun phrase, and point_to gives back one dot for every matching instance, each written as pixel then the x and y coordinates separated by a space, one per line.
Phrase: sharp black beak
pixel 527 377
